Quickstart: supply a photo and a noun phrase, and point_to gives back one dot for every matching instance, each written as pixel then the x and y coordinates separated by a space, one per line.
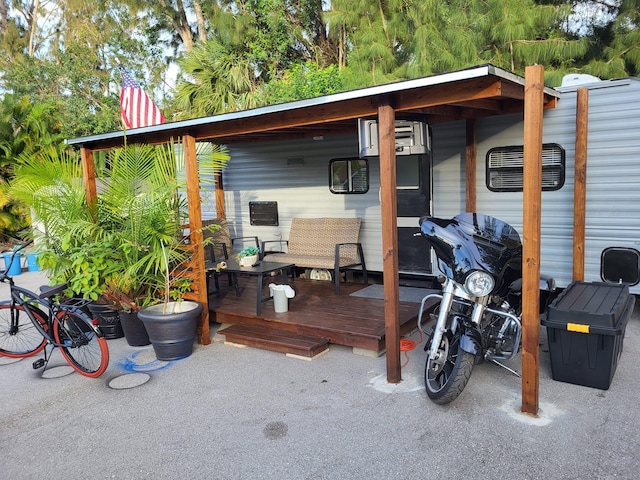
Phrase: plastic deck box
pixel 585 330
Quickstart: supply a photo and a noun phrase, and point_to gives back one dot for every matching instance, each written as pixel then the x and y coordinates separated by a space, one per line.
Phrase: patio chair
pixel 220 248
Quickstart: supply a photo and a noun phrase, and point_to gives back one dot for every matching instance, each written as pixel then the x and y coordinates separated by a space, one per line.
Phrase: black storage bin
pixel 585 329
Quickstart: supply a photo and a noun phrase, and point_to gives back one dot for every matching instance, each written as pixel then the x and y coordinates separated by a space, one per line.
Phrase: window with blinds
pixel 505 167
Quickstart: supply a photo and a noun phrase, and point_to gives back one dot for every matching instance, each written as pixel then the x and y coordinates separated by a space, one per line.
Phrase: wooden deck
pixel 314 311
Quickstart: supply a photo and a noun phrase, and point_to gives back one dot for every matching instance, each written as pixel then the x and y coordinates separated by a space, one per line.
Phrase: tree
pixel 371 35
pixel 24 129
pixel 520 33
pixel 615 43
pixel 303 81
pixel 253 43
pixel 223 79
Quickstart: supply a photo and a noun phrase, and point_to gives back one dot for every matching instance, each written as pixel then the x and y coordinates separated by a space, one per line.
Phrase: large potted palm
pixel 148 212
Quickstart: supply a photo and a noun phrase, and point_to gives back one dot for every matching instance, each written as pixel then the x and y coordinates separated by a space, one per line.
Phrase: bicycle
pixel 30 321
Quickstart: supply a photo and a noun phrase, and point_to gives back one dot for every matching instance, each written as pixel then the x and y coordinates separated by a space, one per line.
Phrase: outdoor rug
pixel 407 294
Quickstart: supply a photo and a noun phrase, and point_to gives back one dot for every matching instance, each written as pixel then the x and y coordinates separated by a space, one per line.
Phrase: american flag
pixel 138 110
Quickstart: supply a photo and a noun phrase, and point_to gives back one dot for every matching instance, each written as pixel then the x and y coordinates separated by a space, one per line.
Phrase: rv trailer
pixel 293 178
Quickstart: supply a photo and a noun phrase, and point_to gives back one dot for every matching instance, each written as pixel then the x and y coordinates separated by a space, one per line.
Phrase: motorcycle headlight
pixel 479 284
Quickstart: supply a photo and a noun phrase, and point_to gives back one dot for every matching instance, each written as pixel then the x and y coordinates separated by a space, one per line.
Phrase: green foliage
pixel 142 210
pixel 222 80
pixel 25 128
pixel 247 252
pixel 87 267
pixel 135 238
pixel 242 54
pixel 304 81
pixel 49 183
pixel 256 43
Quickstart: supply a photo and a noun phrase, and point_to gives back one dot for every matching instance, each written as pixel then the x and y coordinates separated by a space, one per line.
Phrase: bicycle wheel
pixel 81 343
pixel 21 338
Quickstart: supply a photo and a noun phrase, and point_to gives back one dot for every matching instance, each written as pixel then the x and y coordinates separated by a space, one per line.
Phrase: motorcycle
pixel 479 315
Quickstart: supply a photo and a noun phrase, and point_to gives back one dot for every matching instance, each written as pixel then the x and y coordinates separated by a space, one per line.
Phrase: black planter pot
pixel 172 328
pixel 134 331
pixel 108 320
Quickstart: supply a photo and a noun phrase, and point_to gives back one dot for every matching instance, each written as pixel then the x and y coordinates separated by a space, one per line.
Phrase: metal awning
pixel 471 93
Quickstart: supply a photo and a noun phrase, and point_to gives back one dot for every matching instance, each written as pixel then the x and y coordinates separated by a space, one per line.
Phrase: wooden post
pixel 219 195
pixel 195 229
pixel 89 177
pixel 580 183
pixel 532 199
pixel 471 153
pixel 388 206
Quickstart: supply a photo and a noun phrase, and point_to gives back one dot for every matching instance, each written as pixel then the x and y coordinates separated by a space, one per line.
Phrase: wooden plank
pixel 195 232
pixel 453 93
pixel 219 195
pixel 470 168
pixel 580 183
pixel 532 201
pixel 275 340
pixel 89 177
pixel 315 310
pixel 389 210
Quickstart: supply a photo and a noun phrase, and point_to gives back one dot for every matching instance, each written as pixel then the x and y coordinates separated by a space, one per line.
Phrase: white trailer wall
pixel 613 175
pixel 295 174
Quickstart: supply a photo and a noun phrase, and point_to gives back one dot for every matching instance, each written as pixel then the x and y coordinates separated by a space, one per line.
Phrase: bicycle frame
pixel 61 325
pixel 17 294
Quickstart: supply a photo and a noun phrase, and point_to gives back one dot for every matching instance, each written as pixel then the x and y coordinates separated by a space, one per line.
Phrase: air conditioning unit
pixel 411 137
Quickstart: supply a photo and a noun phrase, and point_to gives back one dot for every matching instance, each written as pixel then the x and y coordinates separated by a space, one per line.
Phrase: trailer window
pixel 505 167
pixel 349 175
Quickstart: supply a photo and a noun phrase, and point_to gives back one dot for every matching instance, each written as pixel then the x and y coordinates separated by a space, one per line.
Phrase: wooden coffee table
pixel 259 270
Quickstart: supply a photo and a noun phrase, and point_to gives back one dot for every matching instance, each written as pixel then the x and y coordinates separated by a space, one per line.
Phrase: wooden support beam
pixel 471 153
pixel 89 177
pixel 389 209
pixel 221 211
pixel 532 199
pixel 580 183
pixel 196 236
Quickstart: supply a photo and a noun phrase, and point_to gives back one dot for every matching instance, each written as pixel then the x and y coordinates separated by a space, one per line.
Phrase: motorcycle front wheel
pixel 446 376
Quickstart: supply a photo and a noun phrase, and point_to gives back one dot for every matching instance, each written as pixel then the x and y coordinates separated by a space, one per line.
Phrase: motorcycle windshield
pixel 473 241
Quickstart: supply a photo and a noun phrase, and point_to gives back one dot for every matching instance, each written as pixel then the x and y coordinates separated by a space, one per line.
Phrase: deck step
pixel 275 340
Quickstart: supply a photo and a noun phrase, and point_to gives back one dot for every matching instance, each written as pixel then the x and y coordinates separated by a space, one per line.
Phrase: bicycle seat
pixel 48 291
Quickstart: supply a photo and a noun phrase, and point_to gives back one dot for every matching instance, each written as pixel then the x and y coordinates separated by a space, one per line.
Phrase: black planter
pixel 134 330
pixel 108 320
pixel 172 328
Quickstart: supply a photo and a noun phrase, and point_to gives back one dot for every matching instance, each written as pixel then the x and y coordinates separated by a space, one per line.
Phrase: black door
pixel 413 184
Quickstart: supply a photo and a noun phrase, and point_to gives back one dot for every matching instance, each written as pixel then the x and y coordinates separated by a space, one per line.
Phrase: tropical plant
pixel 50 184
pixel 142 207
pixel 247 252
pixel 124 252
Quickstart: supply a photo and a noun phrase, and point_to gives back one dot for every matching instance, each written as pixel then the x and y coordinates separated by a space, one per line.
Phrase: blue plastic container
pixel 16 267
pixel 32 262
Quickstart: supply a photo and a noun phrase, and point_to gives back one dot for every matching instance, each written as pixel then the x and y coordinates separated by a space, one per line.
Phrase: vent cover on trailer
pixel 620 265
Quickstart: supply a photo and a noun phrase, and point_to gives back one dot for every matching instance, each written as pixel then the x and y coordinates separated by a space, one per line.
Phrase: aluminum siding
pixel 295 174
pixel 613 175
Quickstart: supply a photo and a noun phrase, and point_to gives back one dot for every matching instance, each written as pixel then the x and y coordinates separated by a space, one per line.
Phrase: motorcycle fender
pixel 471 341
